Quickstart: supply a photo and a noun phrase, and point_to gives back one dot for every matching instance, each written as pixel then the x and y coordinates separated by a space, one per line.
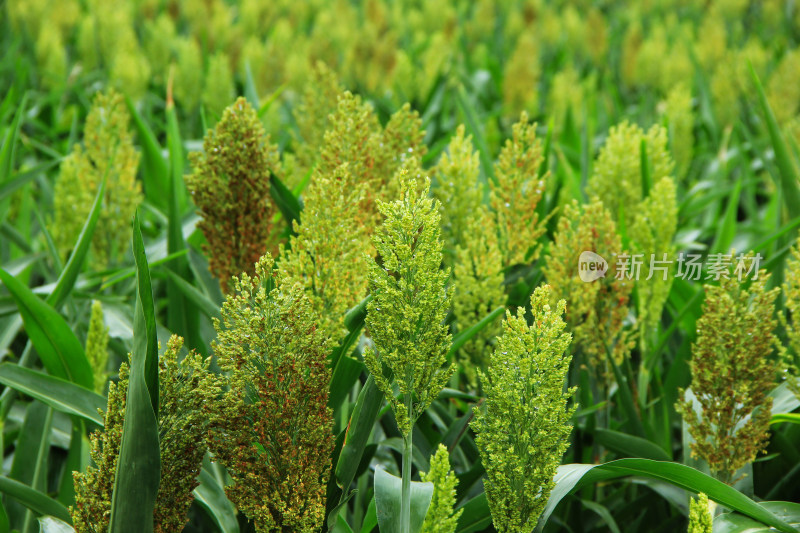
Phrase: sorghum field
pixel 399 266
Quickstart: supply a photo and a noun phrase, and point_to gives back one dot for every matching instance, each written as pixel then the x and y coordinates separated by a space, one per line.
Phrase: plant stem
pixel 405 502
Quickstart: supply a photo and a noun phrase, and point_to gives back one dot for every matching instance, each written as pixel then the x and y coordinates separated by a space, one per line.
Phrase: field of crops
pixel 399 266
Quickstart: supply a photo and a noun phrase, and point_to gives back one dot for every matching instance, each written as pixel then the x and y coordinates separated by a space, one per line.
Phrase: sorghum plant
pixel 185 391
pixel 405 318
pixel 440 517
pixel 97 347
pixel 373 154
pixel 330 252
pixel 219 86
pixel 617 174
pixel 523 429
pixel 732 373
pixel 478 276
pixel 700 518
pixel 271 428
pixel 471 231
pixel 595 310
pixel 677 110
pixel 651 235
pixel 230 186
pixel 517 191
pixel 458 189
pixel 93 488
pixel 313 114
pixel 409 304
pixel 107 151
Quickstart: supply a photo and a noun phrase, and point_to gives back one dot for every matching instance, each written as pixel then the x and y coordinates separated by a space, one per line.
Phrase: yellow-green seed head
pixel 700 518
pixel 271 428
pixel 410 299
pixel 440 517
pixel 108 151
pixel 516 192
pixel 617 174
pixel 524 426
pixel 651 235
pixel 97 347
pixel 732 373
pixel 595 310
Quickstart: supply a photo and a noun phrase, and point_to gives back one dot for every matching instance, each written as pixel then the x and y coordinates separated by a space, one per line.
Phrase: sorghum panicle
pixel 272 427
pixel 230 186
pixel 440 517
pixel 523 429
pixel 517 191
pixel 405 318
pixel 732 374
pixel 97 347
pixel 186 390
pixel 108 151
pixel 595 311
pixel 700 518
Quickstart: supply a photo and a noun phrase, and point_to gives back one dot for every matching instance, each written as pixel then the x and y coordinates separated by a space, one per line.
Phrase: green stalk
pixel 405 502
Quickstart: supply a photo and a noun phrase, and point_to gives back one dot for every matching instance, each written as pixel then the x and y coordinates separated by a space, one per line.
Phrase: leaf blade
pixel 387 501
pixel 571 477
pixel 34 500
pixel 139 465
pixel 60 394
pixel 58 347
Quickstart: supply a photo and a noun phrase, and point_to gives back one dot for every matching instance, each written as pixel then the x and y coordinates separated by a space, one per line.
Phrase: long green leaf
pixel 602 511
pixel 630 445
pixel 475 516
pixel 792 418
pixel 370 519
pixel 571 477
pixel 139 465
pixel 728 225
pixel 34 500
pixel 30 459
pixel 200 301
pixel 288 204
pixel 359 427
pixel 60 394
pixel 387 501
pixel 211 495
pixel 344 377
pixel 10 142
pixel 346 369
pixel 51 524
pixel 626 397
pixel 154 167
pixel 464 336
pixel 21 178
pixel 263 108
pixel 145 341
pixel 182 318
pixel 127 273
pixel 58 347
pixel 737 523
pixel 788 177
